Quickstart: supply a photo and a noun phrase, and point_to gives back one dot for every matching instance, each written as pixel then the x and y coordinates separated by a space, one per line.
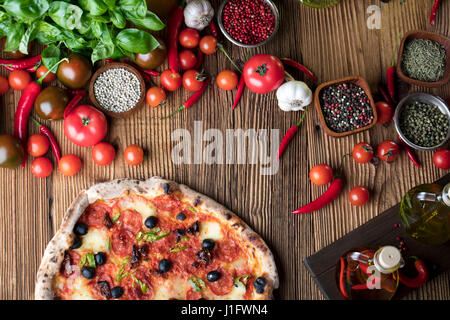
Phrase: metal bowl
pixel 222 28
pixel 424 98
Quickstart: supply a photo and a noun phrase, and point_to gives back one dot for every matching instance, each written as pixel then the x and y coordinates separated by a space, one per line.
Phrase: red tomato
pixel 85 126
pixel 321 174
pixel 37 145
pixel 134 155
pixel 41 167
pixel 189 38
pixel 171 81
pixel 41 71
pixel 263 73
pixel 103 153
pixel 227 80
pixel 155 96
pixel 441 159
pixel 388 151
pixel 4 85
pixel 363 152
pixel 187 59
pixel 384 112
pixel 69 165
pixel 359 196
pixel 208 45
pixel 193 80
pixel 19 79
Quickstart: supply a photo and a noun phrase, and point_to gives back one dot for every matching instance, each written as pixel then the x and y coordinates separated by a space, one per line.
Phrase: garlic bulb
pixel 294 96
pixel 198 14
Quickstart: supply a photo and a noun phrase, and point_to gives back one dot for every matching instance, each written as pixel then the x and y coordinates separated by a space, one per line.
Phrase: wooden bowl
pixel 356 80
pixel 117 65
pixel 417 34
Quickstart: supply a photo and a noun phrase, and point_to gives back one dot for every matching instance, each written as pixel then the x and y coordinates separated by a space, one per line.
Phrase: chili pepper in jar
pixel 20 64
pixel 342 288
pixel 239 92
pixel 436 5
pixel 190 102
pixel 78 95
pixel 299 66
pixel 25 105
pixel 420 279
pixel 175 23
pixel 289 136
pixel 51 138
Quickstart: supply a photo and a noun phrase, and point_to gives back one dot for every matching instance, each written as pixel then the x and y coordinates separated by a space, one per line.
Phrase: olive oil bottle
pixel 366 273
pixel 320 3
pixel 425 213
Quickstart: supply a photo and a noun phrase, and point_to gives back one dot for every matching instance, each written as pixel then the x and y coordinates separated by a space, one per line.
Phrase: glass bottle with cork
pixel 367 273
pixel 320 3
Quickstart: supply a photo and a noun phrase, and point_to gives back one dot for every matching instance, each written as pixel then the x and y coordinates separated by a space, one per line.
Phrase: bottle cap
pixel 388 259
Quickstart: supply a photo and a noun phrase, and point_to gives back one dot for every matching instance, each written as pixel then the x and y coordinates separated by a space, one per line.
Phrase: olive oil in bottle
pixel 320 3
pixel 425 213
pixel 366 273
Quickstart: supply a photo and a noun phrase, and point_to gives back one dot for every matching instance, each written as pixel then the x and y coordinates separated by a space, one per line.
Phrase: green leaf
pixel 4 16
pixel 14 35
pixel 150 21
pixel 117 18
pixel 50 56
pixel 110 3
pixel 137 8
pixel 197 284
pixel 26 10
pixel 136 41
pixel 48 33
pixel 65 15
pixel 95 7
pixel 28 36
pixel 238 280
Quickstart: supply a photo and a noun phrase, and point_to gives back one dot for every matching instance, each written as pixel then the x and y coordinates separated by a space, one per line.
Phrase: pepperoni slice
pixel 131 220
pixel 222 286
pixel 193 295
pixel 122 243
pixel 167 203
pixel 228 250
pixel 95 214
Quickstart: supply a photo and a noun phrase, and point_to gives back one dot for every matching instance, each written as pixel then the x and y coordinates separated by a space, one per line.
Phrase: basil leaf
pixel 14 34
pixel 26 10
pixel 28 36
pixel 110 3
pixel 137 8
pixel 3 16
pixel 238 283
pixel 136 41
pixel 65 15
pixel 197 284
pixel 50 56
pixel 47 33
pixel 95 7
pixel 117 18
pixel 150 21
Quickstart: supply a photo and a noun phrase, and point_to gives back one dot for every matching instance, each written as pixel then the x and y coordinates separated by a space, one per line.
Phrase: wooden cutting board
pixel 379 231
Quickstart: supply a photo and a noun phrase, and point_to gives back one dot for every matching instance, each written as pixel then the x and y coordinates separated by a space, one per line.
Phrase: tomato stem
pixel 221 48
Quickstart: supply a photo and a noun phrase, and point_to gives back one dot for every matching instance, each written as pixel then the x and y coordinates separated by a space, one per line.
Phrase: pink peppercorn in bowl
pixel 248 23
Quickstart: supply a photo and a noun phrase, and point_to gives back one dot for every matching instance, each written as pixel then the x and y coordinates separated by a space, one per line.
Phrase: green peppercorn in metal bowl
pixel 422 121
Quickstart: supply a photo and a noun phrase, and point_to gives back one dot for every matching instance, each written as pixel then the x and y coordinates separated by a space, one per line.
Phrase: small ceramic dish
pixel 417 34
pixel 117 65
pixel 361 83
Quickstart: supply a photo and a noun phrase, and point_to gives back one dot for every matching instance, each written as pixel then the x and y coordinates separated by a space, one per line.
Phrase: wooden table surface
pixel 334 43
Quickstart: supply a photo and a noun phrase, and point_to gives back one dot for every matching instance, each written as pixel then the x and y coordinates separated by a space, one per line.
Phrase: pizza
pixel 153 239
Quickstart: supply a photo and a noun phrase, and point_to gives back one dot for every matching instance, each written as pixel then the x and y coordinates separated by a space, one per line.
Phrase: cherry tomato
pixel 75 73
pixel 263 73
pixel 85 126
pixel 441 159
pixel 321 174
pixel 103 153
pixel 41 71
pixel 189 38
pixel 4 85
pixel 187 59
pixel 37 145
pixel 19 79
pixel 41 167
pixel 156 96
pixel 358 196
pixel 171 81
pixel 208 45
pixel 388 151
pixel 69 165
pixel 193 80
pixel 362 152
pixel 134 155
pixel 227 80
pixel 384 112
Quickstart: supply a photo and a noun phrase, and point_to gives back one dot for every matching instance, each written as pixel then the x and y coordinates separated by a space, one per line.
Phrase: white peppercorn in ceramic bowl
pixel 117 82
pixel 423 98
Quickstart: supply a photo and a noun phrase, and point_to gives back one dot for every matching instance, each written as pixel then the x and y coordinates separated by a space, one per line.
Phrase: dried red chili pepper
pixel 20 64
pixel 342 279
pixel 422 275
pixel 200 58
pixel 239 92
pixel 299 66
pixel 51 138
pixel 175 23
pixel 25 105
pixel 391 82
pixel 78 95
pixel 385 95
pixel 410 153
pixel 151 73
pixel 436 5
pixel 213 28
pixel 189 102
pixel 289 136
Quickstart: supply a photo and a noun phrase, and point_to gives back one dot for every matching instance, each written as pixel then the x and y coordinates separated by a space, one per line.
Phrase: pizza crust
pixel 54 253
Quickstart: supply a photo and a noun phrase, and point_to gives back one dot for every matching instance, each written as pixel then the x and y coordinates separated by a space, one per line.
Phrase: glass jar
pixel 319 3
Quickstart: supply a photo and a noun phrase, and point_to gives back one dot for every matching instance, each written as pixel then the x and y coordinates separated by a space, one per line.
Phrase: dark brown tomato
pixel 222 286
pixel 131 220
pixel 153 59
pixel 51 103
pixel 15 54
pixel 122 243
pixel 11 151
pixel 95 215
pixel 76 73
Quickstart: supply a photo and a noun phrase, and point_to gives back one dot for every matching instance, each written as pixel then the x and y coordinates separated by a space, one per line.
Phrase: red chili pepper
pixel 342 280
pixel 385 95
pixel 25 105
pixel 434 12
pixel 200 58
pixel 20 64
pixel 360 287
pixel 289 136
pixel 421 278
pixel 391 82
pixel 175 23
pixel 410 153
pixel 151 73
pixel 189 102
pixel 78 95
pixel 51 138
pixel 302 68
pixel 213 28
pixel 239 92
